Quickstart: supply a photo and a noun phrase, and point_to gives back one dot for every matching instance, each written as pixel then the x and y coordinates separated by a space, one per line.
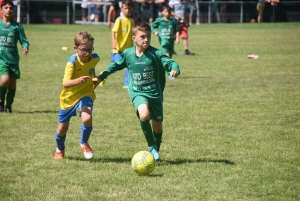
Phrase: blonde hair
pixel 83 37
pixel 141 26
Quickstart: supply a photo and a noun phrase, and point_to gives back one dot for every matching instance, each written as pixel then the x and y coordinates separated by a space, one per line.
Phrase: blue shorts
pixel 66 115
pixel 116 56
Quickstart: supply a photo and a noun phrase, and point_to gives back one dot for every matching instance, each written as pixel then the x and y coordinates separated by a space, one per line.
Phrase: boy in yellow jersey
pixel 78 93
pixel 121 34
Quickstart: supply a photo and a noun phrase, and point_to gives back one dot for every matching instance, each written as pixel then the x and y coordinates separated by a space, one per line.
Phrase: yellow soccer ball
pixel 143 163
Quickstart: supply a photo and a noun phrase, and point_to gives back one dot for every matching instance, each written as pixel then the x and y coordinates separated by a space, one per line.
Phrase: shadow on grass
pixel 162 162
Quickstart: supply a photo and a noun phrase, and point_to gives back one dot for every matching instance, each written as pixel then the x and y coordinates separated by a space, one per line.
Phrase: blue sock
pixel 126 77
pixel 85 134
pixel 60 141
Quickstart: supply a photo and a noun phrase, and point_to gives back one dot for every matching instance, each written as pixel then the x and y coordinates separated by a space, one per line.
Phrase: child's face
pixel 84 51
pixel 7 11
pixel 166 13
pixel 142 39
pixel 126 10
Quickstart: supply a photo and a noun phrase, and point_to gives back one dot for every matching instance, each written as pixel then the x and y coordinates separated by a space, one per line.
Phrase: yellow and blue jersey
pixel 75 69
pixel 123 28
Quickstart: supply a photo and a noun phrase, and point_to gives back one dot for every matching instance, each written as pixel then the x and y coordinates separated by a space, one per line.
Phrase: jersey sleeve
pixel 22 37
pixel 69 71
pixel 154 25
pixel 167 63
pixel 114 66
pixel 116 25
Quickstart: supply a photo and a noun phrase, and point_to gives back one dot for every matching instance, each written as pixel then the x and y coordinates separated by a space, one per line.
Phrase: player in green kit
pixel 10 33
pixel 147 66
pixel 166 28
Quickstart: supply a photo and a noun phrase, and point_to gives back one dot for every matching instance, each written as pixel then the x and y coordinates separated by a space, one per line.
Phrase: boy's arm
pixel 177 37
pixel 113 67
pixel 111 8
pixel 23 40
pixel 170 65
pixel 154 27
pixel 68 81
pixel 113 40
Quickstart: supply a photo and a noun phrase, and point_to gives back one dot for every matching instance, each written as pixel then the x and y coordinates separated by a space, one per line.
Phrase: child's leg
pixel 157 132
pixel 86 127
pixel 60 135
pixel 11 91
pixel 145 123
pixel 3 87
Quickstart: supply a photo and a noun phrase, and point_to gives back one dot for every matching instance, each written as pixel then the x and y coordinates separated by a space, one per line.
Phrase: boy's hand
pixel 177 40
pixel 25 51
pixel 156 33
pixel 174 73
pixel 96 82
pixel 83 79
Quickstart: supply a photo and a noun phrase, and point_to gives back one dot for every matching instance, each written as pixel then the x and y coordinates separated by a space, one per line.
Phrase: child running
pixel 78 93
pixel 10 33
pixel 147 66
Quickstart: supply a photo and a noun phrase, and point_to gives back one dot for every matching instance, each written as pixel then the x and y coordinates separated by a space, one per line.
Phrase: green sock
pixel 10 97
pixel 147 130
pixel 2 93
pixel 157 137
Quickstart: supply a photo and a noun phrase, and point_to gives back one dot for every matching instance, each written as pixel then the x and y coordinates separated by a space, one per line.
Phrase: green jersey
pixel 166 30
pixel 146 73
pixel 9 36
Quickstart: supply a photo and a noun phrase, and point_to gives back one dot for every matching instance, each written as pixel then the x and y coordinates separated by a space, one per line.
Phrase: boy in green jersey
pixel 10 33
pixel 147 66
pixel 167 29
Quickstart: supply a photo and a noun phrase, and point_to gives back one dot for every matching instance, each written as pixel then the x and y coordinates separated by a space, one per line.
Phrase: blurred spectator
pixel 180 13
pixel 84 8
pixel 147 10
pixel 95 11
pixel 193 9
pixel 158 5
pixel 260 9
pixel 215 11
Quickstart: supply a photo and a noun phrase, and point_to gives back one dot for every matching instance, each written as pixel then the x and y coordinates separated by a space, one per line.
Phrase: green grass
pixel 231 127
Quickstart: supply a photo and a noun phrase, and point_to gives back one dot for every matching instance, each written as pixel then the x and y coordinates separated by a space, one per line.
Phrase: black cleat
pixel 8 110
pixel 187 52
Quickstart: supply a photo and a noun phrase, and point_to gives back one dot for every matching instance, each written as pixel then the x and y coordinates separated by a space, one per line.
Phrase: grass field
pixel 231 127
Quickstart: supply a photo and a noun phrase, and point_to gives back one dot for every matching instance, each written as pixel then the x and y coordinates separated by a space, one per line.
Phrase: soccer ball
pixel 143 163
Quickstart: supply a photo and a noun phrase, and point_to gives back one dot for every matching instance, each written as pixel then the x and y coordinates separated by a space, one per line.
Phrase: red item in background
pixel 0 12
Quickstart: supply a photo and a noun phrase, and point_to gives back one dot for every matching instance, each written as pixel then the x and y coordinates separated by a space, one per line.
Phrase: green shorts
pixel 167 48
pixel 10 69
pixel 155 107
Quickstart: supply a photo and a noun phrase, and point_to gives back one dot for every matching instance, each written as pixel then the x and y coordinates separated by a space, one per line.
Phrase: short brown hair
pixel 83 37
pixel 7 2
pixel 127 3
pixel 141 26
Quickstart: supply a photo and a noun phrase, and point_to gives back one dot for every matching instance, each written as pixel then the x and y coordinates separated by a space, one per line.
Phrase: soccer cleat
pixel 1 106
pixel 87 151
pixel 102 83
pixel 8 110
pixel 154 152
pixel 187 52
pixel 59 155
